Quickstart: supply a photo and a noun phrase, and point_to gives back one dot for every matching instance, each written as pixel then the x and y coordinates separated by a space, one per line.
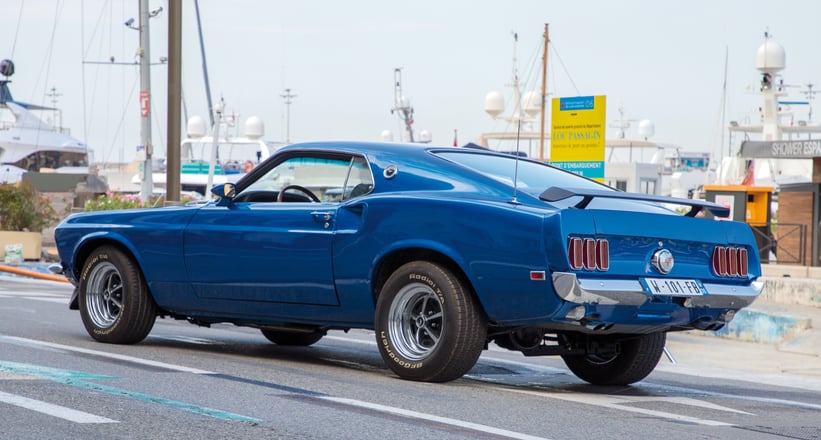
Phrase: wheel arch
pixel 397 257
pixel 87 247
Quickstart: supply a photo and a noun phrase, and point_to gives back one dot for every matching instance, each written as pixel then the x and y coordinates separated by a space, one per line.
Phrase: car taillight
pixel 730 261
pixel 588 253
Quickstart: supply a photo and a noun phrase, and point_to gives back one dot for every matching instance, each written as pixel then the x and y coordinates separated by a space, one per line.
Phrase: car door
pixel 262 250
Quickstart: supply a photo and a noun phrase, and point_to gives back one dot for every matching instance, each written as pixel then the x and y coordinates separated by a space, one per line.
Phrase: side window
pixel 360 179
pixel 327 177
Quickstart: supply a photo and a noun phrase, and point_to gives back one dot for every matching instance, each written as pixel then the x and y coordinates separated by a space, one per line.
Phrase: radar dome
pixel 770 57
pixel 254 128
pixel 531 101
pixel 425 136
pixel 647 129
pixel 387 136
pixel 196 127
pixel 494 104
pixel 6 68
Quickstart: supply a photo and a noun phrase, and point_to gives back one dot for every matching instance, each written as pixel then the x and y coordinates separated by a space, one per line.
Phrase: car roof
pixel 410 156
pixel 359 147
pixel 378 150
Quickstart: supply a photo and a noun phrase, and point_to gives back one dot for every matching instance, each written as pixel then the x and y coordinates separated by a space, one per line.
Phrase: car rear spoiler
pixel 554 194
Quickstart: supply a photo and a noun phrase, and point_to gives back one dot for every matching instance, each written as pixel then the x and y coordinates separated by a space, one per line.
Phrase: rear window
pixel 533 177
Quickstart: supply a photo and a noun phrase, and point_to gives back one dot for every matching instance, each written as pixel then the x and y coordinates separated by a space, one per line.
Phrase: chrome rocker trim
pixel 630 292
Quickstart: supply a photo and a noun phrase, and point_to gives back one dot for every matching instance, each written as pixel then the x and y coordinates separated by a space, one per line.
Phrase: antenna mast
pixel 288 96
pixel 544 92
pixel 57 112
pixel 402 104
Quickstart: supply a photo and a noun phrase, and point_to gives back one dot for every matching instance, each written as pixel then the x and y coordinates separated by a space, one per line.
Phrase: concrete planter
pixel 32 243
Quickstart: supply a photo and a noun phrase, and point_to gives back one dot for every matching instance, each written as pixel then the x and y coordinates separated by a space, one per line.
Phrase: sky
pixel 662 61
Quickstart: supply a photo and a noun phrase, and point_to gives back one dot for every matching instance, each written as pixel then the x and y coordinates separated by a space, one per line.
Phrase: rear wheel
pixel 297 339
pixel 635 360
pixel 428 325
pixel 115 304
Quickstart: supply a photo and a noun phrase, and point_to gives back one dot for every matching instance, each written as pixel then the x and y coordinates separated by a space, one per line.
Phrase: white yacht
pixel 29 144
pixel 233 157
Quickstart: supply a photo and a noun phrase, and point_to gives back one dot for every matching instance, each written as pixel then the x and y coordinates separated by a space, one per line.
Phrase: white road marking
pixel 782 380
pixel 532 368
pixel 26 280
pixel 35 296
pixel 51 409
pixel 781 402
pixel 32 294
pixel 121 357
pixel 432 418
pixel 619 403
pixel 188 340
pixel 51 300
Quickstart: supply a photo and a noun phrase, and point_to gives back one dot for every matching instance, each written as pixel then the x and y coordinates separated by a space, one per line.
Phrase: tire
pixel 115 305
pixel 635 361
pixel 428 325
pixel 295 339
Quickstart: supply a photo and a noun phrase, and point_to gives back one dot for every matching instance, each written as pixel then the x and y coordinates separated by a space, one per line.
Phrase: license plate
pixel 673 287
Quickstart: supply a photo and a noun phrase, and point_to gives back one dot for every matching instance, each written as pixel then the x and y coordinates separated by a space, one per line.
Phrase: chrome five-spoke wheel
pixel 415 318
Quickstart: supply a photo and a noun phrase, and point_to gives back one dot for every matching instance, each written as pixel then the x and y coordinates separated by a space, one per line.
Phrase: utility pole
pixel 288 96
pixel 145 102
pixel 172 176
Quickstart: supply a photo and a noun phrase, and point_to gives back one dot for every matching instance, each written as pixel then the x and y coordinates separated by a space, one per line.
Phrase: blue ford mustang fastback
pixel 439 250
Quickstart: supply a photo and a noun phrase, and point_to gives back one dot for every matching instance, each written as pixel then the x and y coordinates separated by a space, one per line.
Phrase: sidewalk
pixel 731 359
pixel 787 314
pixel 786 328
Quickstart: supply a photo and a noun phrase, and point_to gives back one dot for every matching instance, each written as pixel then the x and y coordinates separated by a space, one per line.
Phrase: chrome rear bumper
pixel 630 292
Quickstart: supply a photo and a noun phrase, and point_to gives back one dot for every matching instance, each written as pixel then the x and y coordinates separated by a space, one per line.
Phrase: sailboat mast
pixel 544 93
pixel 724 107
pixel 204 64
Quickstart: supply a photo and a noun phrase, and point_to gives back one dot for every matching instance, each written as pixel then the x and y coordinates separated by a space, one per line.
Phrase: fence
pixel 790 246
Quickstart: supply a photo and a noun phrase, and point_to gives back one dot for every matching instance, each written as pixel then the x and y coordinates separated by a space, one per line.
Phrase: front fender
pixel 83 244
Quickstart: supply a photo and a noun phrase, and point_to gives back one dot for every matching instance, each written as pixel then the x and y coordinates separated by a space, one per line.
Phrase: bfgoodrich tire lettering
pixel 115 305
pixel 637 358
pixel 428 325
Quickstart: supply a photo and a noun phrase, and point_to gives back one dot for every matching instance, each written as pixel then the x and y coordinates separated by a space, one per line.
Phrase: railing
pixel 786 233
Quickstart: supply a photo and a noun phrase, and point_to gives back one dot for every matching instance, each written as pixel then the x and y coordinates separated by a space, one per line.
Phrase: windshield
pixel 533 177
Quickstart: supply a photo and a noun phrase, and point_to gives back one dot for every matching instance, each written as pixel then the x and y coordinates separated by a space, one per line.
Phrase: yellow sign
pixel 577 135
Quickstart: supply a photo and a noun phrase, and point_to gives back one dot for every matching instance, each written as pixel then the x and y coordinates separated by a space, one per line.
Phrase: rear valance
pixel 554 194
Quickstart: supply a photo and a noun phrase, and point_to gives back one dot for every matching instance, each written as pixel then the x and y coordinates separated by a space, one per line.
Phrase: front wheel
pixel 636 358
pixel 115 304
pixel 428 325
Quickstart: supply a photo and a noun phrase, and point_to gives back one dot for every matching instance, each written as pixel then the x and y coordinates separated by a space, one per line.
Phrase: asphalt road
pixel 185 381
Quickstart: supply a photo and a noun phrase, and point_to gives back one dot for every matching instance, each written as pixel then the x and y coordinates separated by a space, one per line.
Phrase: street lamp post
pixel 145 102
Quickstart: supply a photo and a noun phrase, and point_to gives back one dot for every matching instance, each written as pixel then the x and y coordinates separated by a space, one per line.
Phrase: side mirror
pixel 225 192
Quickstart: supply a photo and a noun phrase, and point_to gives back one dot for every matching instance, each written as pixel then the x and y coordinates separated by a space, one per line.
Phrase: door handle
pixel 323 217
